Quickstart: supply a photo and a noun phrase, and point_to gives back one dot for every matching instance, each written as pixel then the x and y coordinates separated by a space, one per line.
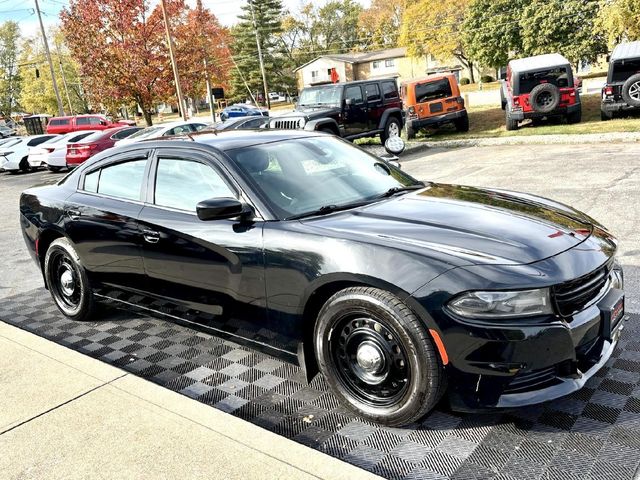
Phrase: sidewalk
pixel 65 415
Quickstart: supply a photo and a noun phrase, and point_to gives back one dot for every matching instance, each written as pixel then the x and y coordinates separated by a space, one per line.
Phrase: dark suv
pixel 622 90
pixel 540 86
pixel 351 110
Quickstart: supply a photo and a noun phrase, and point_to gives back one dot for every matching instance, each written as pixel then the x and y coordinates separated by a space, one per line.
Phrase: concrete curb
pixel 581 139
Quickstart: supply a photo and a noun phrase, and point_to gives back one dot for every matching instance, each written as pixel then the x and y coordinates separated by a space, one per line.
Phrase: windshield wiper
pixel 328 209
pixel 404 188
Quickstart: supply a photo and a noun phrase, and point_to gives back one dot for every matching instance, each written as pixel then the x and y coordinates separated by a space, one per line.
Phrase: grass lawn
pixel 486 121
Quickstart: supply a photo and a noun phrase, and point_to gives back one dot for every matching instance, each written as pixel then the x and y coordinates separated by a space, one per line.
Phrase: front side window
pixel 426 92
pixel 122 180
pixel 181 184
pixel 95 121
pixel 303 175
pixel 354 93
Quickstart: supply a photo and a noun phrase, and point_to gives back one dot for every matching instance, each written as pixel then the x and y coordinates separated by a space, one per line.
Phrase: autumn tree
pixel 619 20
pixel 491 30
pixel 120 47
pixel 379 25
pixel 435 27
pixel 9 77
pixel 564 26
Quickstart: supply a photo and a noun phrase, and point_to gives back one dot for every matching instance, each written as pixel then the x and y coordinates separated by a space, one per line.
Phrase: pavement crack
pixel 28 420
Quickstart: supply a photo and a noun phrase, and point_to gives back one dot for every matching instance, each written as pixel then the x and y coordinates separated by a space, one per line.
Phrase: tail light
pixel 516 101
pixel 608 90
pixel 412 112
pixel 460 101
pixel 572 93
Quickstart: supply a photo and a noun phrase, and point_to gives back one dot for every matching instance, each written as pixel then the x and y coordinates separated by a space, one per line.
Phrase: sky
pixel 22 11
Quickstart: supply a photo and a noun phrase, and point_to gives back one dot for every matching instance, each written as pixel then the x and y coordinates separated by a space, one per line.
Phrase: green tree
pixel 380 23
pixel 619 20
pixel 435 27
pixel 564 26
pixel 491 31
pixel 268 18
pixel 9 75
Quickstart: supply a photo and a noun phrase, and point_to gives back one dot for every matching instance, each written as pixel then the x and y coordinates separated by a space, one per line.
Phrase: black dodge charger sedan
pixel 311 249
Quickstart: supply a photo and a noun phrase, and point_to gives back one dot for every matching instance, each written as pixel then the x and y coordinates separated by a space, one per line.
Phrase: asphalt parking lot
pixel 592 434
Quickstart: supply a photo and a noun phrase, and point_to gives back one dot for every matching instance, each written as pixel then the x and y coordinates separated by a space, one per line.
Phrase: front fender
pixel 319 124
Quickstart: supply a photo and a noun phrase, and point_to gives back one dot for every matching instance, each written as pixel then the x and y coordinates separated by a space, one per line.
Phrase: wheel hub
pixel 634 91
pixel 370 357
pixel 67 282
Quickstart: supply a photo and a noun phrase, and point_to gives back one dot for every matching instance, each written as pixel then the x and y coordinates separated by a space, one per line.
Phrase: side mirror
pixel 394 145
pixel 348 102
pixel 220 209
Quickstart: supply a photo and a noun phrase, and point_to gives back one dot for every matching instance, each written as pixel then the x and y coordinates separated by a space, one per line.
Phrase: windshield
pixel 144 133
pixel 330 96
pixel 300 176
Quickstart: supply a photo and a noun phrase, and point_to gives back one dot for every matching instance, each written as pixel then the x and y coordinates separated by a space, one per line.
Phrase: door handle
pixel 150 236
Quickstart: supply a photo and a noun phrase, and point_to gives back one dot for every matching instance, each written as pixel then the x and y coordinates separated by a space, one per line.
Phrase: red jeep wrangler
pixel 540 86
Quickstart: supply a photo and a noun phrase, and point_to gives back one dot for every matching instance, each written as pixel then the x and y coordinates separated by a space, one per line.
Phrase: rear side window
pixel 59 121
pixel 182 184
pixel 82 121
pixel 372 92
pixel 557 76
pixel 623 69
pixel 122 180
pixel 426 92
pixel 389 90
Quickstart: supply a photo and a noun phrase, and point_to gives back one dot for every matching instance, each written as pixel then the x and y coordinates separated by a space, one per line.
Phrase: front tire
pixel 24 165
pixel 392 128
pixel 574 117
pixel 377 356
pixel 67 281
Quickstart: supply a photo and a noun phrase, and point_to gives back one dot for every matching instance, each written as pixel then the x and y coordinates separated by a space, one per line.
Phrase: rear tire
pixel 574 117
pixel 53 169
pixel 68 281
pixel 411 133
pixel 392 128
pixel 24 165
pixel 511 124
pixel 605 116
pixel 462 123
pixel 631 90
pixel 377 356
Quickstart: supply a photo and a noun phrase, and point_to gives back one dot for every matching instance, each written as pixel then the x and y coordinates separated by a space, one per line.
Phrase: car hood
pixel 476 226
pixel 312 112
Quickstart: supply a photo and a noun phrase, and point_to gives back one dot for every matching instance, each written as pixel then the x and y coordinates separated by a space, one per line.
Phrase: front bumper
pixel 521 115
pixel 418 123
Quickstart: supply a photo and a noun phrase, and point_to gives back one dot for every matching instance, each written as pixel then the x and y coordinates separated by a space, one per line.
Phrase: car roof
pixel 355 82
pixel 429 78
pixel 626 50
pixel 231 139
pixel 538 62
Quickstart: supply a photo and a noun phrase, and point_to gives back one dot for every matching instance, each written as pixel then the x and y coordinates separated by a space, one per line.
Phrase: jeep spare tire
pixel 544 98
pixel 631 90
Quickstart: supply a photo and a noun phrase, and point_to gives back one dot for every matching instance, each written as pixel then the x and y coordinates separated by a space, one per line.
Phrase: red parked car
pixel 82 122
pixel 96 142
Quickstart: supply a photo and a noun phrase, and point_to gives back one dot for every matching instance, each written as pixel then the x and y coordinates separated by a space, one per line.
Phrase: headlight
pixel 523 303
pixel 301 123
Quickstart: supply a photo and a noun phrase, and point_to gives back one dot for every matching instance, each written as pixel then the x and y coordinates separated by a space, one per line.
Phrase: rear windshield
pixel 623 69
pixel 558 76
pixel 425 92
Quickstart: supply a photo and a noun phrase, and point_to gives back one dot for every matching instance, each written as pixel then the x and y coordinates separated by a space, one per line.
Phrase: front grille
pixel 285 124
pixel 573 296
pixel 534 380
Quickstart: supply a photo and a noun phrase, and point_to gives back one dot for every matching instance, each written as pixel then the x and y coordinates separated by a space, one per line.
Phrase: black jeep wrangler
pixel 351 110
pixel 622 90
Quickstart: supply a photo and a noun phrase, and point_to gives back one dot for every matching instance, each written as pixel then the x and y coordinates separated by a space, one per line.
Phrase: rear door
pixel 101 218
pixel 355 110
pixel 430 97
pixel 375 106
pixel 213 270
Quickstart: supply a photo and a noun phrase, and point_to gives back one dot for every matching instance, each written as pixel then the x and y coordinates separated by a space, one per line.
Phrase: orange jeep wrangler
pixel 433 101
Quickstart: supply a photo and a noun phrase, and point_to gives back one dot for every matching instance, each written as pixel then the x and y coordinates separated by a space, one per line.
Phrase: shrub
pixel 465 81
pixel 487 79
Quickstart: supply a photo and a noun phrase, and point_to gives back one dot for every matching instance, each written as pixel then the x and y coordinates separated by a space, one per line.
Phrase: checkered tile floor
pixel 592 434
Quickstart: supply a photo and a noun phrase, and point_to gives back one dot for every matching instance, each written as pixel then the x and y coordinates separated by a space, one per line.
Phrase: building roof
pixel 626 50
pixel 538 62
pixel 361 57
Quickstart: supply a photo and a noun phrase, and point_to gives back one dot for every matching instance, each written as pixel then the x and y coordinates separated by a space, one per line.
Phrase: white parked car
pixel 52 153
pixel 14 153
pixel 165 130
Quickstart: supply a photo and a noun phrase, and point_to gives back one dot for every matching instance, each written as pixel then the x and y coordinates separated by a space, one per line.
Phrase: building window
pixel 329 71
pixel 375 64
pixel 314 74
pixel 391 62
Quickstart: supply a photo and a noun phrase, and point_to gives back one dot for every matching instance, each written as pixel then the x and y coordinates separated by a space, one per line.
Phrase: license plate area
pixel 612 312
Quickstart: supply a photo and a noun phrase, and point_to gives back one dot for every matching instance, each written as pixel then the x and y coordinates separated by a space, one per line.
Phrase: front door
pixel 355 111
pixel 207 272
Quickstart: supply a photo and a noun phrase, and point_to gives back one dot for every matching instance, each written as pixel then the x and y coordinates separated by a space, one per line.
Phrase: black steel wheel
pixel 67 281
pixel 377 356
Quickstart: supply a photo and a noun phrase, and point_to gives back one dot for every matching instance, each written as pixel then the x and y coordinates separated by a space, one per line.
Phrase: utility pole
pixel 264 76
pixel 176 77
pixel 64 79
pixel 48 54
pixel 206 72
